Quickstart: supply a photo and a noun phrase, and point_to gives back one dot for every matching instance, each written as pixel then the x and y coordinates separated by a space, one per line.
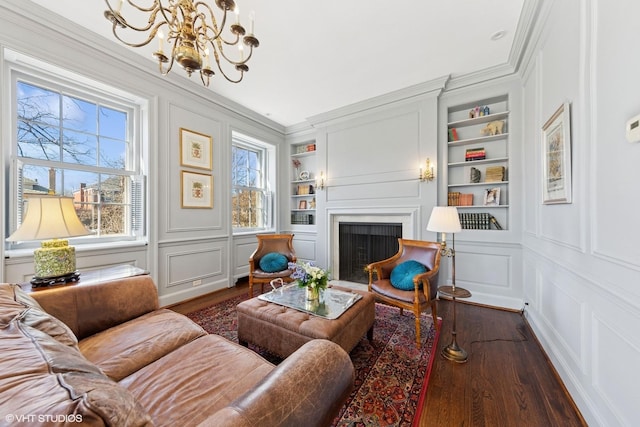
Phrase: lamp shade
pixel 444 219
pixel 49 217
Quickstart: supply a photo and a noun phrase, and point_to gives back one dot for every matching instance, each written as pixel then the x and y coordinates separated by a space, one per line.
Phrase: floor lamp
pixel 444 219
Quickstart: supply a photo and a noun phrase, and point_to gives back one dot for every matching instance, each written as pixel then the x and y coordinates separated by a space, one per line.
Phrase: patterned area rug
pixel 391 373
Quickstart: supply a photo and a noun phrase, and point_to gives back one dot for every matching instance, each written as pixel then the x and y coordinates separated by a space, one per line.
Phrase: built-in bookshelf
pixel 303 182
pixel 477 162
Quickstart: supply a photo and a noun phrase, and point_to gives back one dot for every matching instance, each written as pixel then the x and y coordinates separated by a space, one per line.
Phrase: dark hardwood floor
pixel 507 380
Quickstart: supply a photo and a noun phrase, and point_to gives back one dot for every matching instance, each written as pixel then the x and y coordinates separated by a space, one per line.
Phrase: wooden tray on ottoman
pixel 282 330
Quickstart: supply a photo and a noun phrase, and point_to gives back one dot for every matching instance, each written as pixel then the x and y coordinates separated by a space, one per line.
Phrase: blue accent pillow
pixel 403 273
pixel 273 261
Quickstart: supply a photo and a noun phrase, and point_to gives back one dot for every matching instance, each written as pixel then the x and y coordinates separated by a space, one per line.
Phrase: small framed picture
pixel 492 197
pixel 197 190
pixel 302 204
pixel 556 157
pixel 196 149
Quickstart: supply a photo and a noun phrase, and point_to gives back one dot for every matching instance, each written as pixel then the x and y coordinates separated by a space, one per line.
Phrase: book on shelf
pixel 453 135
pixel 453 198
pixel 495 174
pixel 474 154
pixel 301 218
pixel 478 221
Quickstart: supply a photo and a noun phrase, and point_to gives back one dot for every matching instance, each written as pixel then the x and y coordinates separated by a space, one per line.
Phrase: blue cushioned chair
pixel 270 245
pixel 423 293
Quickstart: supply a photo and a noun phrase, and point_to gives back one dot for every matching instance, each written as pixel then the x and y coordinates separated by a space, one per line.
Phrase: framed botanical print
pixel 197 190
pixel 556 157
pixel 196 149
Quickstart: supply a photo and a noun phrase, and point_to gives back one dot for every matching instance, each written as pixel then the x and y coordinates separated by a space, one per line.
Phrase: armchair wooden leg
pixel 417 316
pixel 250 289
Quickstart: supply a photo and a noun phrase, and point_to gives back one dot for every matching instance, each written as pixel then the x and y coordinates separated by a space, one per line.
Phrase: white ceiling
pixel 316 56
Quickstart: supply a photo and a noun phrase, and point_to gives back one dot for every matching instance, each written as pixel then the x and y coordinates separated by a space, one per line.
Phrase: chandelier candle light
pixel 193 33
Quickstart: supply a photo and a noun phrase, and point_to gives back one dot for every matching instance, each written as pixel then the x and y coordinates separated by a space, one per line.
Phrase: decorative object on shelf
pixel 296 165
pixel 320 184
pixel 444 220
pixel 196 149
pixel 194 35
pixel 494 174
pixel 308 275
pixel 495 127
pixel 556 157
pixel 310 147
pixel 492 196
pixel 427 174
pixel 54 218
pixel 312 203
pixel 495 222
pixel 304 175
pixel 197 190
pixel 302 204
pixel 474 175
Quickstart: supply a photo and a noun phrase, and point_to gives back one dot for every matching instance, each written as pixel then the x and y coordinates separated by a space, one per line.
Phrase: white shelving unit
pixel 468 131
pixel 303 184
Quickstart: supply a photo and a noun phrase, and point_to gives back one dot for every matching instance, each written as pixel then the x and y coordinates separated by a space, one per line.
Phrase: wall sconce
pixel 427 174
pixel 320 181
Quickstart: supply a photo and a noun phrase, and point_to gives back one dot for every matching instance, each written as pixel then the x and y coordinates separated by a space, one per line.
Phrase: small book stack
pixel 466 199
pixel 478 221
pixel 494 174
pixel 453 135
pixel 475 154
pixel 453 198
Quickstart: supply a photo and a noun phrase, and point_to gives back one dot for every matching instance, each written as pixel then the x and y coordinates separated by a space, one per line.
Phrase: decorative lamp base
pixel 454 353
pixel 41 282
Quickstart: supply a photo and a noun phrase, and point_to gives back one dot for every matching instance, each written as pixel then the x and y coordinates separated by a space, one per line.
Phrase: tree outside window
pixel 250 198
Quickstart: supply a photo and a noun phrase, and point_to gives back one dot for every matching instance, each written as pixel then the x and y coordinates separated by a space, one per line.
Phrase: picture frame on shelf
pixel 196 149
pixel 196 190
pixel 556 157
pixel 304 175
pixel 492 196
pixel 302 204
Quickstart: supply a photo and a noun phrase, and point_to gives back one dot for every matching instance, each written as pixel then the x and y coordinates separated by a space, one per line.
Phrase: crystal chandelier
pixel 193 33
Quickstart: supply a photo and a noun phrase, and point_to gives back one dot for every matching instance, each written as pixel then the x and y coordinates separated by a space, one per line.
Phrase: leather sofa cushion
pixel 123 349
pixel 209 372
pixel 14 302
pixel 49 378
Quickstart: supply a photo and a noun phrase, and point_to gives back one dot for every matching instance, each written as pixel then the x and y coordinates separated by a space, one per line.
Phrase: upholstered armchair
pixel 414 273
pixel 270 260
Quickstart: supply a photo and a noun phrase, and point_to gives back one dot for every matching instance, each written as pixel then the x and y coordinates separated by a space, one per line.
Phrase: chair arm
pixel 307 389
pixel 377 267
pixel 427 279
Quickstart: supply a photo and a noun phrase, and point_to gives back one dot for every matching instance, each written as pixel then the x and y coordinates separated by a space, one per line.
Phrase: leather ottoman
pixel 282 330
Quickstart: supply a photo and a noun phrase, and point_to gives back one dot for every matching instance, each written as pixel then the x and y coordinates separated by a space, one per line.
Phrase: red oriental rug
pixel 391 374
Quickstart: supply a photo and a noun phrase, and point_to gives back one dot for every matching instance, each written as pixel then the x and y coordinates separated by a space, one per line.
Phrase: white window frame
pixel 268 167
pixel 19 67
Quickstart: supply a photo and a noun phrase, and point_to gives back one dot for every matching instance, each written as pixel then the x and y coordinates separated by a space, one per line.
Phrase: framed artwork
pixel 302 204
pixel 556 157
pixel 197 190
pixel 196 149
pixel 492 196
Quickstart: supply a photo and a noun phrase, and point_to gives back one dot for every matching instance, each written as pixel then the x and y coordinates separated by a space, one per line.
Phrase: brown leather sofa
pixel 105 354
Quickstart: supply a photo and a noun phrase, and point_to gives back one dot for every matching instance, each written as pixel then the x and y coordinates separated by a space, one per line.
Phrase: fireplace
pixel 404 220
pixel 362 243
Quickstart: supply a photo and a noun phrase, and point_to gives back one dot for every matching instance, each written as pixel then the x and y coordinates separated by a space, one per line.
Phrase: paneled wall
pixel 581 270
pixel 189 252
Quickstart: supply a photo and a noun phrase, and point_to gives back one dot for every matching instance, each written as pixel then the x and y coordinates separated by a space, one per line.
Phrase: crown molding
pixel 432 88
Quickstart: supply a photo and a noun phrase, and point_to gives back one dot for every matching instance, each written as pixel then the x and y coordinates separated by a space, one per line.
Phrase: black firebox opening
pixel 363 243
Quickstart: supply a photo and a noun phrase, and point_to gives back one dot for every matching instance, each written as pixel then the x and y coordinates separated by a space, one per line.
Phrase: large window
pixel 250 198
pixel 72 141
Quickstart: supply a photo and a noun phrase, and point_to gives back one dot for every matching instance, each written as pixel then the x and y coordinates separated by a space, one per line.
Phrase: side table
pixel 453 352
pixel 94 276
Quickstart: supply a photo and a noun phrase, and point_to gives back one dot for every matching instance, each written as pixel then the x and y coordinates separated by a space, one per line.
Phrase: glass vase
pixel 312 294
